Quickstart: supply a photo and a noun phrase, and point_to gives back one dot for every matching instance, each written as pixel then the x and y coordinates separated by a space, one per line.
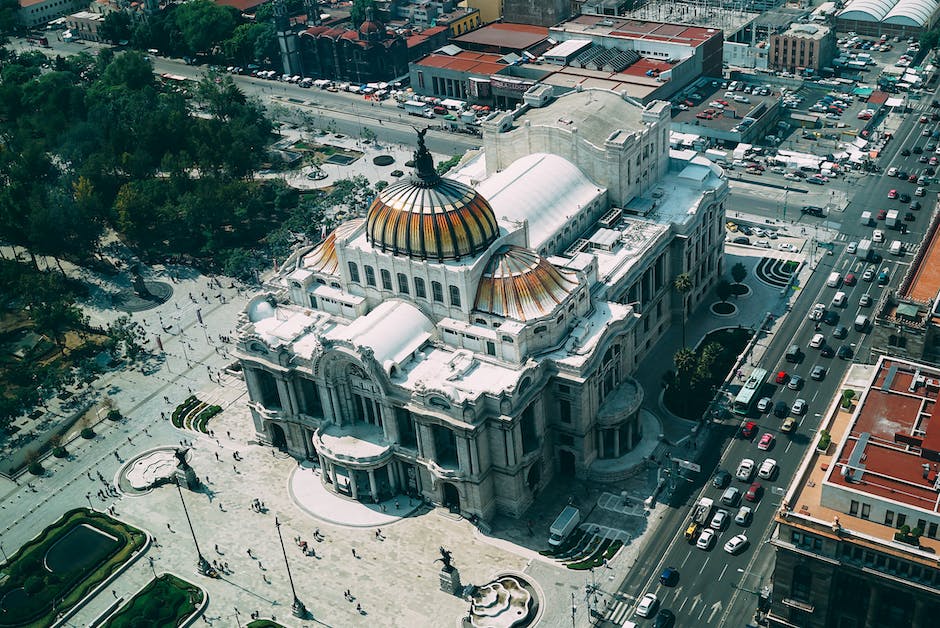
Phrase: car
pixel 781 409
pixel 705 540
pixel 795 383
pixel 905 152
pixel 815 180
pixel 845 352
pixel 826 351
pixel 883 277
pixel 722 479
pixel 664 619
pixel 812 210
pixel 923 159
pixel 882 214
pixel 799 407
pixel 892 172
pixel 818 373
pixel 763 244
pixel 917 150
pixel 764 404
pixel 745 470
pixel 904 198
pixel 788 425
pixel 720 520
pixel 831 318
pixel 911 178
pixel 817 341
pixel 731 496
pixel 930 171
pixel 892 194
pixel 878 235
pixel 915 205
pixel 741 240
pixel 920 192
pixel 754 492
pixel 925 133
pixel 766 441
pixel 647 605
pixel 851 248
pixel 869 274
pixel 850 279
pixel 910 217
pixel 748 430
pixel 933 161
pixel 743 517
pixel 781 377
pixel 817 313
pixel 865 300
pixel 840 332
pixel 736 544
pixel 767 469
pixel 669 576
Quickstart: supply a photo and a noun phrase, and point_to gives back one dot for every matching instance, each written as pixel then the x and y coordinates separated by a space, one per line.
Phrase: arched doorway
pixel 565 463
pixel 278 438
pixel 534 476
pixel 451 497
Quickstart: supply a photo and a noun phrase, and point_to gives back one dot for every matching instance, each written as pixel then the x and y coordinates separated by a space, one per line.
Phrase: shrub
pixel 36 468
pixel 115 415
pixel 383 160
pixel 88 433
pixel 825 438
pixel 33 585
pixel 60 452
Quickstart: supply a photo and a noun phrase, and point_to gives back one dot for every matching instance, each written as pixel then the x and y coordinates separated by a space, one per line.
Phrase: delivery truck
pixel 418 108
pixel 565 523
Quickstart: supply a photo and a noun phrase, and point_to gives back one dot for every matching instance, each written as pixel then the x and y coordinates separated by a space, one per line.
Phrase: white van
pixel 878 235
pixel 895 247
pixel 861 322
pixel 834 281
pixel 839 299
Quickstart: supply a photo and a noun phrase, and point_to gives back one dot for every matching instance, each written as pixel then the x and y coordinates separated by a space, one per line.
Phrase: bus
pixel 745 399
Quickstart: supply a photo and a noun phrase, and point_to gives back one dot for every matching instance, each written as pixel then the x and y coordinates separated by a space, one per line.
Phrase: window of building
pixel 420 289
pixel 866 511
pixel 353 272
pixel 922 525
pixel 564 410
pixel 437 291
pixel 490 347
pixel 932 530
pixel 902 519
pixel 853 508
pixel 386 280
pixel 454 295
pixel 403 283
pixel 889 518
pixel 541 329
pixel 370 275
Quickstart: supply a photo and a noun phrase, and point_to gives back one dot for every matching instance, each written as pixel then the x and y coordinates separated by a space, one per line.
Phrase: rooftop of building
pixel 625 28
pixel 465 61
pixel 632 80
pixel 727 116
pixel 924 279
pixel 806 31
pixel 878 452
pixel 419 38
pixel 514 36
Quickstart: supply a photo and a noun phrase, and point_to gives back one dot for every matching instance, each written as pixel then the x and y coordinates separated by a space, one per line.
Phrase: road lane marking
pixel 722 574
pixel 704 565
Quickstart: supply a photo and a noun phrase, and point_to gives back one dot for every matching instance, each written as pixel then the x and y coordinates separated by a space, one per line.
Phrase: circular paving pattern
pixel 724 309
pixel 775 272
pixel 129 301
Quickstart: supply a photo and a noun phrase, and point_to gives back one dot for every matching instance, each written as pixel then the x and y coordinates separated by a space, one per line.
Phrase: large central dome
pixel 429 217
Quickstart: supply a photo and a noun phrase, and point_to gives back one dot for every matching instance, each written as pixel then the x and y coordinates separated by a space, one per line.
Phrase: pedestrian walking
pixel 354 553
pixel 220 507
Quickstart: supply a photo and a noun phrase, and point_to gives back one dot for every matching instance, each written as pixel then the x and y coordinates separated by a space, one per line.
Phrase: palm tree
pixel 683 285
pixel 685 361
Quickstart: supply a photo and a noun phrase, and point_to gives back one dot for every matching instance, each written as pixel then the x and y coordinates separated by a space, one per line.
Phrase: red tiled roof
pixel 517 36
pixel 925 284
pixel 472 62
pixel 640 29
pixel 877 98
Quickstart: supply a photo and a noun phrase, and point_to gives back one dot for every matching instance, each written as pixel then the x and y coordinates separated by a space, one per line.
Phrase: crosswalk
pixel 621 608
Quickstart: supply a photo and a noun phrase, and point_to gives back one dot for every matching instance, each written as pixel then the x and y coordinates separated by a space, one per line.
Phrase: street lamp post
pixel 297 608
pixel 202 566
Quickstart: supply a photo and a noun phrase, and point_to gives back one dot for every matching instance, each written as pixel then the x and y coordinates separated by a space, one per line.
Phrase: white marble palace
pixel 474 335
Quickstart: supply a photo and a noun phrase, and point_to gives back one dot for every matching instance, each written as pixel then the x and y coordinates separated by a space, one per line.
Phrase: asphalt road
pixel 714 587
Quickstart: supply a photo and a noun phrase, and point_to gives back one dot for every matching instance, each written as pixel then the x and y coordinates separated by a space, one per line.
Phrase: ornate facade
pixel 472 336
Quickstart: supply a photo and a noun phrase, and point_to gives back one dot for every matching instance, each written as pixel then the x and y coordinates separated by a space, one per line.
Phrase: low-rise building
pixel 802 48
pixel 35 13
pixel 858 532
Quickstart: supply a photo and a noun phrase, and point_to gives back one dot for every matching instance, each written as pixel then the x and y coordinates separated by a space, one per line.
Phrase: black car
pixel 664 619
pixel 909 216
pixel 831 318
pixel 826 351
pixel 915 205
pixel 904 198
pixel 902 175
pixel 812 210
pixel 781 409
pixel 917 150
pixel 840 332
pixel 930 171
pixel 742 240
pixel 722 479
pixel 905 153
pixel 845 352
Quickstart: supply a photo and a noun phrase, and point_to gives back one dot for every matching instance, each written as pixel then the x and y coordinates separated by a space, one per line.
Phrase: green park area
pixel 62 565
pixel 165 601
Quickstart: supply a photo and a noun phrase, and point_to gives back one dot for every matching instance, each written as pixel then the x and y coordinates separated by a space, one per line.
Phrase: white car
pixel 878 235
pixel 852 248
pixel 745 470
pixel 786 246
pixel 920 192
pixel 720 520
pixel 737 543
pixel 744 516
pixel 762 244
pixel 819 310
pixel 706 539
pixel 767 469
pixel 764 404
pixel 892 172
pixel 647 606
pixel 817 341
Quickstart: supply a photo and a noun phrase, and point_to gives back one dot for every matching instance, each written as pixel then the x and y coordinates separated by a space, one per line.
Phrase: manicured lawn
pixel 264 623
pixel 61 565
pixel 163 603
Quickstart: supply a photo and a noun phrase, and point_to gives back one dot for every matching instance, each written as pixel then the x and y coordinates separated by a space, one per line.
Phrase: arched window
pixel 370 275
pixel 454 295
pixel 437 291
pixel 403 283
pixel 420 290
pixel 353 272
pixel 386 280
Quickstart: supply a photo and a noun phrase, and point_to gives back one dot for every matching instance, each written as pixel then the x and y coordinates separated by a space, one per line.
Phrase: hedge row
pixel 201 421
pixel 165 601
pixel 182 409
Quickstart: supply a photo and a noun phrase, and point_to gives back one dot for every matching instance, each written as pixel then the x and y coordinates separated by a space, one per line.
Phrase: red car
pixel 850 279
pixel 748 429
pixel 882 213
pixel 912 178
pixel 766 442
pixel 754 492
pixel 782 377
pixel 893 194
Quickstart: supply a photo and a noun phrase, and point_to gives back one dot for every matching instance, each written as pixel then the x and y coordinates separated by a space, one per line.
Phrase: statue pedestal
pixel 450 581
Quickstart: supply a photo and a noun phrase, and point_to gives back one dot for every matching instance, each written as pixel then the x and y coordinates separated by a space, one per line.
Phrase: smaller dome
pixel 369 27
pixel 520 284
pixel 322 259
pixel 260 308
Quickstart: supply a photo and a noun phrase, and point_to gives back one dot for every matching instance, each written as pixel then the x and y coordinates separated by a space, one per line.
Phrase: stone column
pixel 617 452
pixel 289 386
pixel 251 383
pixel 333 476
pixel 334 405
pixel 392 469
pixel 373 485
pixel 874 599
pixel 921 620
pixel 284 395
pixel 353 484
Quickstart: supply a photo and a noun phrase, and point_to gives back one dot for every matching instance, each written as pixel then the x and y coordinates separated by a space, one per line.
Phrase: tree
pixel 359 10
pixel 127 337
pixel 204 24
pixel 683 285
pixel 705 366
pixel 55 318
pixel 738 272
pixel 115 27
pixel 723 289
pixel 684 360
pixel 9 18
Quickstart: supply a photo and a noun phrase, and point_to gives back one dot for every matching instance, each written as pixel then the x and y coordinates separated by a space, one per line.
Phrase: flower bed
pixel 165 601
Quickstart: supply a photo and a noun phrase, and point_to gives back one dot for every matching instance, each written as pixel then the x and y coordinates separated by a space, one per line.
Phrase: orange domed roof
pixel 429 217
pixel 322 259
pixel 520 284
